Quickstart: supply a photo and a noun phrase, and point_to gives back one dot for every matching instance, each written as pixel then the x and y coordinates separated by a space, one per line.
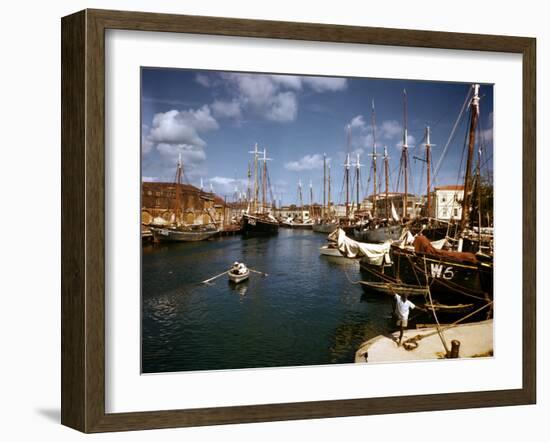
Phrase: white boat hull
pixel 236 278
pixel 330 251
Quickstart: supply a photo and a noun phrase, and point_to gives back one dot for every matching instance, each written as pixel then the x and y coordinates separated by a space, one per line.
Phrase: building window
pixel 444 213
pixel 455 213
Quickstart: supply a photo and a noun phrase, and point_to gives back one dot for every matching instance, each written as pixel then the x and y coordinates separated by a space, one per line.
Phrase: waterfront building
pixel 414 204
pixel 447 202
pixel 199 207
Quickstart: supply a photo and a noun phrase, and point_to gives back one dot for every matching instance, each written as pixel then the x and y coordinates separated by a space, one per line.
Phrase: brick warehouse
pixel 199 207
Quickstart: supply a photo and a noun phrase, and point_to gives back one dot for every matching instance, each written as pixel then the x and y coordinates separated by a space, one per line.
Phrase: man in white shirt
pixel 402 308
pixel 242 269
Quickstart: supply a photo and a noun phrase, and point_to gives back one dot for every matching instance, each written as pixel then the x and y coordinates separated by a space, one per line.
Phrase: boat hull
pixel 300 226
pixel 252 226
pixel 325 227
pixel 380 235
pixel 236 278
pixel 330 251
pixel 451 281
pixel 173 235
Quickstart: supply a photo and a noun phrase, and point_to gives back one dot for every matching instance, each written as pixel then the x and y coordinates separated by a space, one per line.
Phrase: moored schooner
pixel 177 230
pixel 381 229
pixel 327 222
pixel 455 278
pixel 257 220
pixel 303 221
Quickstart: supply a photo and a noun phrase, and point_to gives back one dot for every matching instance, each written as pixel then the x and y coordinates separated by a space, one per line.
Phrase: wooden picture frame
pixel 83 220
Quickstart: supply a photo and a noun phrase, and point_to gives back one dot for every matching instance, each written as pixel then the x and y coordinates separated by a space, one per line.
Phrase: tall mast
pixel 264 180
pixel 346 173
pixel 328 207
pixel 480 146
pixel 387 173
pixel 428 166
pixel 358 182
pixel 466 201
pixel 300 197
pixel 264 183
pixel 248 190
pixel 324 185
pixel 255 152
pixel 374 161
pixel 347 166
pixel 177 202
pixel 405 154
pixel 310 199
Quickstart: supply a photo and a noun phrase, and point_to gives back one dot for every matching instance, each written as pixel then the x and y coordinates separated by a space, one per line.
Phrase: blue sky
pixel 213 119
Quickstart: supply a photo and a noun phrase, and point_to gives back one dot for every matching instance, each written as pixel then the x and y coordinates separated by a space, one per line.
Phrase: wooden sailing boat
pixel 452 277
pixel 302 222
pixel 179 231
pixel 257 220
pixel 327 223
pixel 379 230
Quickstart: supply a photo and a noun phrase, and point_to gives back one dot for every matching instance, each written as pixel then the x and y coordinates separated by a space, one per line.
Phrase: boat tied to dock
pixel 257 220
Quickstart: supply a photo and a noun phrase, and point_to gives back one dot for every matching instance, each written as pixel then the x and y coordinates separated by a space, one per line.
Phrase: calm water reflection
pixel 306 312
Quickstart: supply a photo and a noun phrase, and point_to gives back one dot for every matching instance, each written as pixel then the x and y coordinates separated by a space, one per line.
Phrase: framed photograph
pixel 269 220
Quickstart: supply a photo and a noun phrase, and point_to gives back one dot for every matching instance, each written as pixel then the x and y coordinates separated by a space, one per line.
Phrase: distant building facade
pixel 197 207
pixel 446 202
pixel 414 204
pixel 293 212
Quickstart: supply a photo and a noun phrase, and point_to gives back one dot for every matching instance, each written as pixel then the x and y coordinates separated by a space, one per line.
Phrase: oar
pixel 256 271
pixel 206 281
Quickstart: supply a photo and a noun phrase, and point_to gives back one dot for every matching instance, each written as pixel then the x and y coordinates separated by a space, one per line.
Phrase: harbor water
pixel 307 311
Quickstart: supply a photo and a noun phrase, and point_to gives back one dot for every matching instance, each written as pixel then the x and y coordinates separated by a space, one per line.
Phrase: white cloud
pixel 175 133
pixel 389 129
pixel 357 122
pixel 203 80
pixel 487 134
pixel 226 109
pixel 308 162
pixel 182 127
pixel 283 108
pixel 227 186
pixel 149 179
pixel 411 142
pixel 290 81
pixel 273 97
pixel 189 154
pixel 146 144
pixel 324 84
pixel 364 141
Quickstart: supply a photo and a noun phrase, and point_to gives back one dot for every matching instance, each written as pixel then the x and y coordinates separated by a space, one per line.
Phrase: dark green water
pixel 306 312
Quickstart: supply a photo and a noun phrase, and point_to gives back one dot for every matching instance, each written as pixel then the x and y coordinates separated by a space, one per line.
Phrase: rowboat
pixel 236 277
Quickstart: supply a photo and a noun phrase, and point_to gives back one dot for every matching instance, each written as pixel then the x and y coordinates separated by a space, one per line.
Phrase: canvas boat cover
pixel 378 254
pixel 374 254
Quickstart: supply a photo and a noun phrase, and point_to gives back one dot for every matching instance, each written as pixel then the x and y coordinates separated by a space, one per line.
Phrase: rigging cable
pixel 451 136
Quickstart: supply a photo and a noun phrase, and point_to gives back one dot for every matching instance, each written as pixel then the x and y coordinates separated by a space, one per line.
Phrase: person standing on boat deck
pixel 402 308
